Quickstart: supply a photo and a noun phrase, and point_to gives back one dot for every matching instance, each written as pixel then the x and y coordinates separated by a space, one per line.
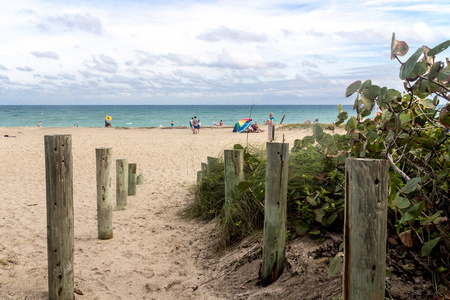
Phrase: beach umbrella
pixel 242 125
pixel 108 118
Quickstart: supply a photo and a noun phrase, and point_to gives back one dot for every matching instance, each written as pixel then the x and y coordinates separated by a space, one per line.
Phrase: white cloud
pixel 169 51
pixel 46 54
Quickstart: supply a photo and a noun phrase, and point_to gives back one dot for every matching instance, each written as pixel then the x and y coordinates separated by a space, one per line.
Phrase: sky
pixel 259 52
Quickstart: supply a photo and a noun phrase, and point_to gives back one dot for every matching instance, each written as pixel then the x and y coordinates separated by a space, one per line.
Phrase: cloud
pixel 24 69
pixel 309 64
pixel 145 58
pixel 102 63
pixel 182 60
pixel 72 22
pixel 47 54
pixel 4 77
pixel 232 35
pixel 234 59
pixel 3 68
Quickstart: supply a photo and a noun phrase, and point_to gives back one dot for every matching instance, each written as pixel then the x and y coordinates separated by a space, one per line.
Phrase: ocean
pixel 160 115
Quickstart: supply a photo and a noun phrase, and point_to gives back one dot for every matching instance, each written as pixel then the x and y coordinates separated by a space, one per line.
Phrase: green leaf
pixel 428 103
pixel 391 95
pixel 439 48
pixel 302 228
pixel 431 218
pixel 368 103
pixel 366 83
pixel 335 265
pixel 352 88
pixel 339 107
pixel 409 65
pixel 411 185
pixel 352 122
pixel 328 221
pixel 412 212
pixel 404 119
pixel 401 202
pixel 320 213
pixel 237 146
pixel 428 246
pixel 372 91
pixel 244 185
pixel 317 131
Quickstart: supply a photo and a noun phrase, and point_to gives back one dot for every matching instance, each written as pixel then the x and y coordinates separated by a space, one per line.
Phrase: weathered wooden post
pixel 199 177
pixel 204 169
pixel 121 183
pixel 365 228
pixel 234 172
pixel 132 179
pixel 59 199
pixel 271 132
pixel 210 162
pixel 275 212
pixel 140 179
pixel 104 193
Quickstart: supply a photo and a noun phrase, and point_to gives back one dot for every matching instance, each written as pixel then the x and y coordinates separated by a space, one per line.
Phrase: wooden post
pixel 59 199
pixel 104 193
pixel 275 212
pixel 132 178
pixel 211 161
pixel 199 177
pixel 365 228
pixel 121 183
pixel 234 172
pixel 140 179
pixel 271 132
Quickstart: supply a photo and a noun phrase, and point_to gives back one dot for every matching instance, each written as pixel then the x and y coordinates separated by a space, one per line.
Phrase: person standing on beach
pixel 39 124
pixel 221 123
pixel 271 118
pixel 172 123
pixel 195 125
pixel 191 124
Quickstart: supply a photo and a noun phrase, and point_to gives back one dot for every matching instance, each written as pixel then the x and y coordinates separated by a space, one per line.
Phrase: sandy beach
pixel 154 254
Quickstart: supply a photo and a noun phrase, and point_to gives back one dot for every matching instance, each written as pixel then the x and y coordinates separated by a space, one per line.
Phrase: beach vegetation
pixel 410 130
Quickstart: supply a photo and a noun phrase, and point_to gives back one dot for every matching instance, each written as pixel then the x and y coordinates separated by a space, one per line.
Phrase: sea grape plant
pixel 411 131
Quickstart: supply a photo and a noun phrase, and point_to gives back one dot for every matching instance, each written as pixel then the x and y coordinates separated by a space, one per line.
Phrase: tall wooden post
pixel 104 193
pixel 275 212
pixel 132 179
pixel 366 194
pixel 234 172
pixel 59 199
pixel 121 183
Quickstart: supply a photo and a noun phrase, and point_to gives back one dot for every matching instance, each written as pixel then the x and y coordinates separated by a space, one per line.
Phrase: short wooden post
pixel 204 169
pixel 199 177
pixel 132 179
pixel 271 132
pixel 121 183
pixel 210 162
pixel 234 172
pixel 140 179
pixel 365 228
pixel 275 212
pixel 59 199
pixel 104 193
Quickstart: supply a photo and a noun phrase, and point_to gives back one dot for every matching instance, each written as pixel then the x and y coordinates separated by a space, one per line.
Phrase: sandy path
pixel 154 254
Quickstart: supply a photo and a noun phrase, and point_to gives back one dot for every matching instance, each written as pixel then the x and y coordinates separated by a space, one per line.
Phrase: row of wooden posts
pixel 365 228
pixel 59 198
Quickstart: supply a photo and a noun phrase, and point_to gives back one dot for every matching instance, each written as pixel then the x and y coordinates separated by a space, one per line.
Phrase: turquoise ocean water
pixel 159 115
